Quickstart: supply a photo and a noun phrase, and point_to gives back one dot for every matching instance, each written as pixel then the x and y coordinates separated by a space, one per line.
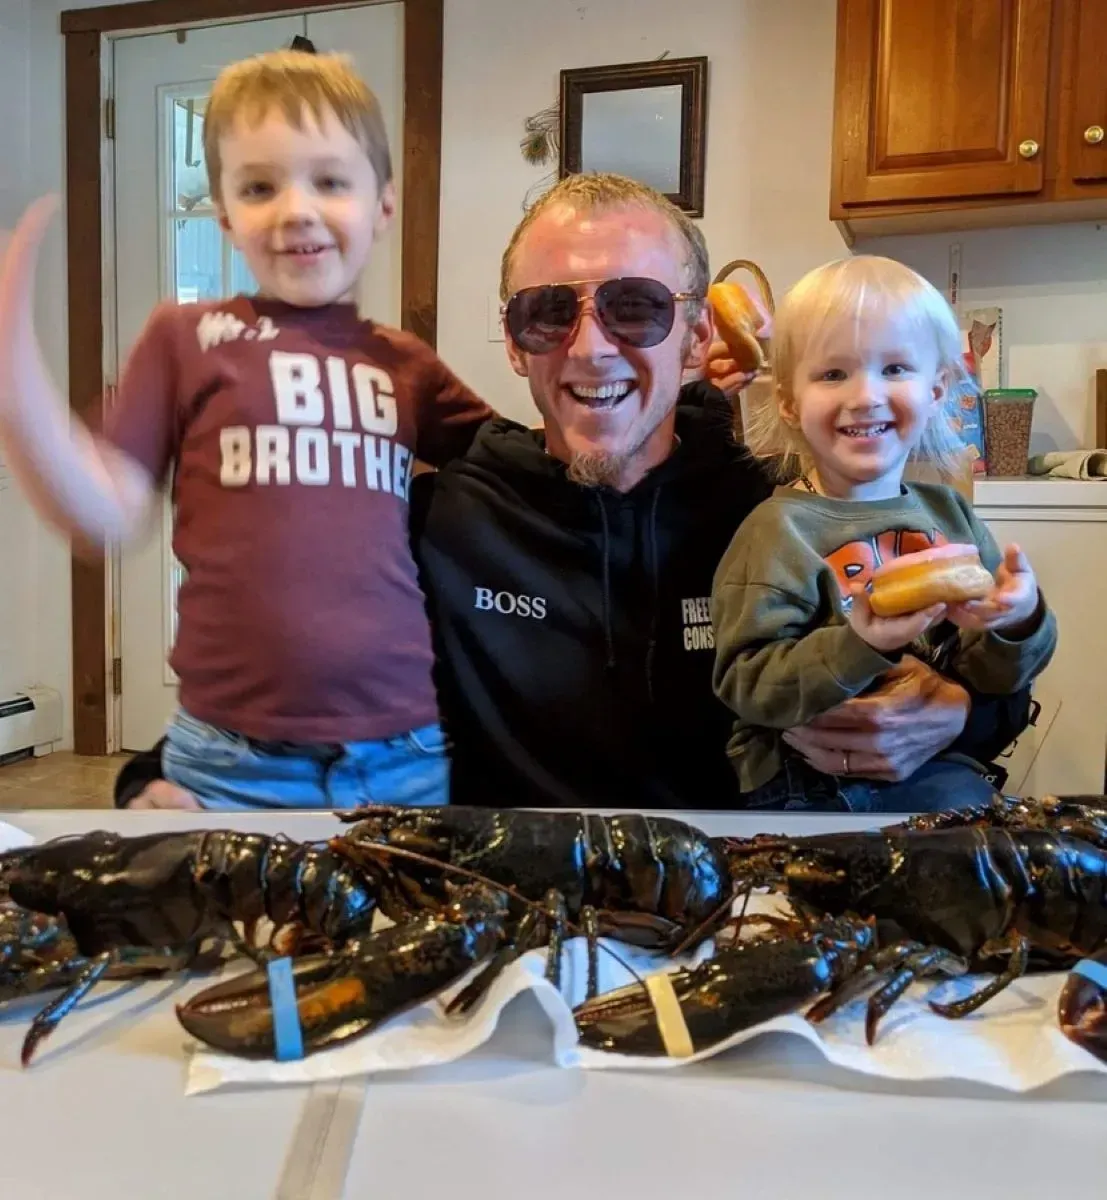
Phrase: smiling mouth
pixel 605 396
pixel 304 251
pixel 865 431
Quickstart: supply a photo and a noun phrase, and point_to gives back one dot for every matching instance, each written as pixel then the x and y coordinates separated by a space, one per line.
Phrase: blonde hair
pixel 592 191
pixel 295 82
pixel 861 288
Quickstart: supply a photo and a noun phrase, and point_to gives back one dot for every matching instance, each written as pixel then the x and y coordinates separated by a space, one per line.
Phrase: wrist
pixel 1021 626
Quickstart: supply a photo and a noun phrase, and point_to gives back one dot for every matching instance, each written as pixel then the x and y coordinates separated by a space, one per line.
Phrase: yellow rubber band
pixel 670 1019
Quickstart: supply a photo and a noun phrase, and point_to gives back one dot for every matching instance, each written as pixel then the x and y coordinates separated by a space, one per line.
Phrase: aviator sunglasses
pixel 638 312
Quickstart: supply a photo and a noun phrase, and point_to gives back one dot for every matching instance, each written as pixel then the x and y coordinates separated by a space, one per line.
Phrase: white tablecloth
pixel 102 1112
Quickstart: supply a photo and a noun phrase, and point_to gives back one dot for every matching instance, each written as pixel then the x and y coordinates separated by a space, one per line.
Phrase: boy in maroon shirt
pixel 288 426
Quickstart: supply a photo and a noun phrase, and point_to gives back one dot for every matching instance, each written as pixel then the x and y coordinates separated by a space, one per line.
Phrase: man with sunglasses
pixel 567 570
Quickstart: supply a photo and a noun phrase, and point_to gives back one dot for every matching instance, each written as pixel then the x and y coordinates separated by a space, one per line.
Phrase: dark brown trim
pixel 422 166
pixel 82 184
pixel 689 74
pixel 150 14
pixel 422 144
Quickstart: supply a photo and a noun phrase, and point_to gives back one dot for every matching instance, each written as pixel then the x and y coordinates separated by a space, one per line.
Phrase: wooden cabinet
pixel 961 113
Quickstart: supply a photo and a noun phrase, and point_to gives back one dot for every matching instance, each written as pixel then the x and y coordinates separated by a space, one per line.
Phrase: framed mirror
pixel 646 120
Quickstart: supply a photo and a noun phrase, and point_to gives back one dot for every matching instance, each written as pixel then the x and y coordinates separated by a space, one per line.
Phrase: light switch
pixel 495 324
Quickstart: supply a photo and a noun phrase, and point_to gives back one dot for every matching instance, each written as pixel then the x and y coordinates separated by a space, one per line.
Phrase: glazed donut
pixel 736 320
pixel 948 574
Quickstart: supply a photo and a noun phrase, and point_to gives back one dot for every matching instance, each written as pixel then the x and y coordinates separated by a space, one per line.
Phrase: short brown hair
pixel 295 81
pixel 598 190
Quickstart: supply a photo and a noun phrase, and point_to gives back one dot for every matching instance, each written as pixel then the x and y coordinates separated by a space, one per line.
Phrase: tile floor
pixel 61 780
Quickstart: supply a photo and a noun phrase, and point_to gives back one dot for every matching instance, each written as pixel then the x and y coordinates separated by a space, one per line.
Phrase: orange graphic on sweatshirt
pixel 854 563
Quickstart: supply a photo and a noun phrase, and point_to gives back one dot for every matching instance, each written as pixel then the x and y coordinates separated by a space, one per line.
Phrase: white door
pixel 169 245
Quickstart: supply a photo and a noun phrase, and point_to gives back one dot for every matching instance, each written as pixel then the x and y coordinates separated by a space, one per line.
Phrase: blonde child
pixel 289 427
pixel 866 353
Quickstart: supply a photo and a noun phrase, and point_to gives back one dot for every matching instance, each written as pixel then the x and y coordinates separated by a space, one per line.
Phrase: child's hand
pixel 889 633
pixel 1013 603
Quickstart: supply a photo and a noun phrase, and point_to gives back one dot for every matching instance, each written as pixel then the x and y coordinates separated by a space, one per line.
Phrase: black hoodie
pixel 573 639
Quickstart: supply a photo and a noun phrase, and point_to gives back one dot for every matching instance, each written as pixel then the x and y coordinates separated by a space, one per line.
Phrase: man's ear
pixel 520 361
pixel 701 333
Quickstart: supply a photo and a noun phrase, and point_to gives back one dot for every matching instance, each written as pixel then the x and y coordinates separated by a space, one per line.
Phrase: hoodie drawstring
pixel 609 639
pixel 652 542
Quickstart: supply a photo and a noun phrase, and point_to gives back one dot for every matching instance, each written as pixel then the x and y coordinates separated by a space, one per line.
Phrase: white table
pixel 102 1112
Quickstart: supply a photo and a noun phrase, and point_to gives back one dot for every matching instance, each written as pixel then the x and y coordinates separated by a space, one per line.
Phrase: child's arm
pixel 80 484
pixel 449 415
pixel 1009 638
pixel 772 669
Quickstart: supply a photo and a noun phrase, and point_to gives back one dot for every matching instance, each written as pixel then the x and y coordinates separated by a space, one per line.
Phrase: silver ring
pixel 845 762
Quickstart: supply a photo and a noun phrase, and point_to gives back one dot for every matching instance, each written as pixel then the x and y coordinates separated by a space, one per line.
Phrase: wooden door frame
pixel 85 31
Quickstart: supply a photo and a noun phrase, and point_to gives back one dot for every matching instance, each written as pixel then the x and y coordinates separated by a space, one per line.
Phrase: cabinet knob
pixel 1029 148
pixel 1093 135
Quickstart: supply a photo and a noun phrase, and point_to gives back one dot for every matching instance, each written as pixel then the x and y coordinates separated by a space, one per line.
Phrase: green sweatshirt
pixel 785 651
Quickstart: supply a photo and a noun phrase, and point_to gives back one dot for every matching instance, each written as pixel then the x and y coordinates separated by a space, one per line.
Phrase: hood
pixel 517 457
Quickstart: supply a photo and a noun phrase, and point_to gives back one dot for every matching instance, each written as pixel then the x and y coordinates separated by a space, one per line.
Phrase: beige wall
pixel 768 161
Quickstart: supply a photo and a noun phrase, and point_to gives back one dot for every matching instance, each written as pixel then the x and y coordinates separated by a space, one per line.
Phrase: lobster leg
pixel 535 928
pixel 1019 948
pixel 145 960
pixel 907 961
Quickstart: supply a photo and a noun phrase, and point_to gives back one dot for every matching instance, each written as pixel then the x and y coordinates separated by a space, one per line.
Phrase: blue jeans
pixel 228 772
pixel 944 782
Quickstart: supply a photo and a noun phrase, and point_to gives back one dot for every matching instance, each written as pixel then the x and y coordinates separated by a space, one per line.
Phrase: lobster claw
pixel 237 1016
pixel 344 995
pixel 1082 1005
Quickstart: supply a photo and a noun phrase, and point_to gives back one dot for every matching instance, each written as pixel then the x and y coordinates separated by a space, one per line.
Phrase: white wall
pixel 34 638
pixel 768 164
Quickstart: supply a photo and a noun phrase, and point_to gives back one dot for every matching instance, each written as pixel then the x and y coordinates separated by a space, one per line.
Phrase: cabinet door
pixel 940 99
pixel 1086 117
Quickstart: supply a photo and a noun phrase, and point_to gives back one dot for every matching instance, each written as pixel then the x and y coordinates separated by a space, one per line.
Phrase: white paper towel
pixel 1013 1042
pixel 12 838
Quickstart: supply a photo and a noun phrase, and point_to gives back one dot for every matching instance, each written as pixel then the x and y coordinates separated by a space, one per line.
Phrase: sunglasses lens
pixel 539 319
pixel 638 312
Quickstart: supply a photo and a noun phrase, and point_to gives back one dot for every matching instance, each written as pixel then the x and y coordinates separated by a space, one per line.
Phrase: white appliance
pixel 30 720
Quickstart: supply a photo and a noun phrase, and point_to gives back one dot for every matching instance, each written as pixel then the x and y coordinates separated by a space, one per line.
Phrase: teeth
pixel 864 430
pixel 608 393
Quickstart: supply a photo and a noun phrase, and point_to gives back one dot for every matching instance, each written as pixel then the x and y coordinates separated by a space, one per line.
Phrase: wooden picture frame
pixel 87 32
pixel 607 111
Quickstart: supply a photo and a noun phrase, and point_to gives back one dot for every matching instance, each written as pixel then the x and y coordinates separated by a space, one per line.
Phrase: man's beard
pixel 608 468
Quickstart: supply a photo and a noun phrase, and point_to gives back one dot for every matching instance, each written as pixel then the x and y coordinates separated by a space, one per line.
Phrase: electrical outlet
pixel 495 324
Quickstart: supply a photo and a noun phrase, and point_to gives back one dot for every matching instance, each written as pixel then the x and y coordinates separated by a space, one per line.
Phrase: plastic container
pixel 1008 416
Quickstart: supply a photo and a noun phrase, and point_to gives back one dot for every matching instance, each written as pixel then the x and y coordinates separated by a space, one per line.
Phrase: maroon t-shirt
pixel 290 434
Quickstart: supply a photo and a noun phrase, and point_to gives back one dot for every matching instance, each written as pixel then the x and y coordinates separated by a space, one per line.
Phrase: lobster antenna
pixel 466 873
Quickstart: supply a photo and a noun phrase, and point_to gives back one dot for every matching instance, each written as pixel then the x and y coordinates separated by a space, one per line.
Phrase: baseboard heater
pixel 30 723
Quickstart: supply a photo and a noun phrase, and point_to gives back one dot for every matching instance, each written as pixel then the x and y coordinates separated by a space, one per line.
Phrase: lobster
pixel 1005 897
pixel 166 902
pixel 648 881
pixel 752 981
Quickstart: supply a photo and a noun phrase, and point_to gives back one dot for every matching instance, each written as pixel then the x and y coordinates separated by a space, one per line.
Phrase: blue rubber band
pixel 1090 969
pixel 288 1037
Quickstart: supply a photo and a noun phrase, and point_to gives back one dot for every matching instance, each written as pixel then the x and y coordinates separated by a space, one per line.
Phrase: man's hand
pixel 162 794
pixel 887 734
pixel 721 369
